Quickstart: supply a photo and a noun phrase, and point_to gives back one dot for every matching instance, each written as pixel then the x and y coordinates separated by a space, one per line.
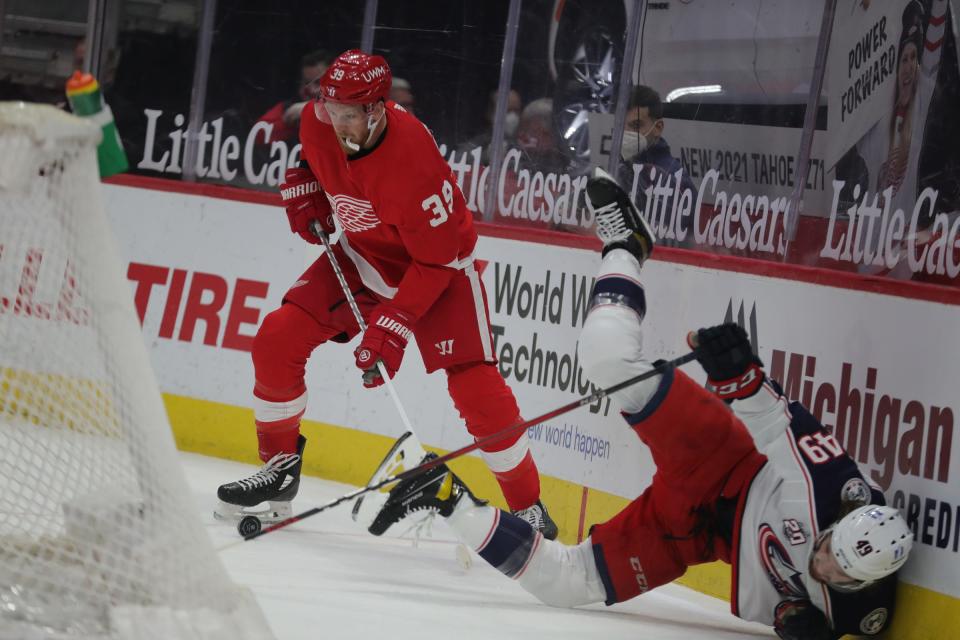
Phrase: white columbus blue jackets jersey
pixel 795 496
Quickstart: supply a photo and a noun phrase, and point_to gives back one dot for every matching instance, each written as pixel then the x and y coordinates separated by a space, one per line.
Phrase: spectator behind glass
pixel 285 115
pixel 536 138
pixel 540 154
pixel 643 141
pixel 510 124
pixel 645 151
pixel 402 93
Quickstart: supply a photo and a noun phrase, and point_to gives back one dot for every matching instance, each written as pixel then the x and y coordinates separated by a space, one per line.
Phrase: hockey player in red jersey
pixel 742 476
pixel 406 250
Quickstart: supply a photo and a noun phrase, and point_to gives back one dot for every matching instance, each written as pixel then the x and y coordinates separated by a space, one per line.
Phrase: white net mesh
pixel 98 535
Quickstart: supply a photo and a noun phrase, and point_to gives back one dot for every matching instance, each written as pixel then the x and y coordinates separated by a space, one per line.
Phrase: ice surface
pixel 327 578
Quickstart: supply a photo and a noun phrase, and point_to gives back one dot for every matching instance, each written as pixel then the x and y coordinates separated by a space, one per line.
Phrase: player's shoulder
pixel 411 136
pixel 866 612
pixel 410 154
pixel 397 113
pixel 834 475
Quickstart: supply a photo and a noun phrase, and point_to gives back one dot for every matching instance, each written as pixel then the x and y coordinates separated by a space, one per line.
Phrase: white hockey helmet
pixel 871 542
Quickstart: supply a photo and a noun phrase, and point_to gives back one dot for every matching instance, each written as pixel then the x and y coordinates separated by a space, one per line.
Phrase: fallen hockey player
pixel 743 476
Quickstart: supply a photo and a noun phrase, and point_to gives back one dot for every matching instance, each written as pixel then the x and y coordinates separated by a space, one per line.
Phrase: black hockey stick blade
pixel 457 453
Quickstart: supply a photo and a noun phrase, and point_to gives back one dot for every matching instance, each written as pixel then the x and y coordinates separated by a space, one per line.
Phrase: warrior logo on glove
pixel 396 327
pixel 301 189
pixel 306 203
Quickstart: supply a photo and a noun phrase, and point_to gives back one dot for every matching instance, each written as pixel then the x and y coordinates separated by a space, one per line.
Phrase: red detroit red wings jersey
pixel 405 222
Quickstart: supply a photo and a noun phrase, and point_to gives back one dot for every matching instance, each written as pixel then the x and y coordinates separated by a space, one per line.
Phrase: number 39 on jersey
pixel 439 209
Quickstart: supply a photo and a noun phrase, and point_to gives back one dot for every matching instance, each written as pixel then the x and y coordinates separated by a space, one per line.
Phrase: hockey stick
pixel 319 232
pixel 494 437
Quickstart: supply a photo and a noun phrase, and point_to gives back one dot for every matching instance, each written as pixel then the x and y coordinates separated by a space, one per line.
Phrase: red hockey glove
pixel 385 339
pixel 800 620
pixel 305 202
pixel 725 353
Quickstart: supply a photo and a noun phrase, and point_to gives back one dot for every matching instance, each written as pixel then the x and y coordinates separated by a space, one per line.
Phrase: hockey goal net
pixel 99 536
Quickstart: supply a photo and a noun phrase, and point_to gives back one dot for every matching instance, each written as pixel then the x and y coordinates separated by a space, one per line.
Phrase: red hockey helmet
pixel 356 77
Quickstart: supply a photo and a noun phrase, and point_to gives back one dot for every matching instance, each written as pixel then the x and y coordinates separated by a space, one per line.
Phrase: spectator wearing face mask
pixel 510 125
pixel 643 141
pixel 647 160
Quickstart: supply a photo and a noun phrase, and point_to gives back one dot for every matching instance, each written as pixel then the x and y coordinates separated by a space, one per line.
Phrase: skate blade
pixel 267 512
pixel 366 508
pixel 405 453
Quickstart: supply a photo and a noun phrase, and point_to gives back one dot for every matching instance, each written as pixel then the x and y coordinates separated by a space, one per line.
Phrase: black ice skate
pixel 437 490
pixel 619 224
pixel 276 483
pixel 538 518
pixel 405 454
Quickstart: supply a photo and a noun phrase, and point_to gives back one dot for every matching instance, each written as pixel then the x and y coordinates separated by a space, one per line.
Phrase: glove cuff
pixel 739 387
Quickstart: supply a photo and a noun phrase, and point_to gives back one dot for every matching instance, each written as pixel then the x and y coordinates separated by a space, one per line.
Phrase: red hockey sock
pixel 284 341
pixel 487 405
pixel 520 485
pixel 278 437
